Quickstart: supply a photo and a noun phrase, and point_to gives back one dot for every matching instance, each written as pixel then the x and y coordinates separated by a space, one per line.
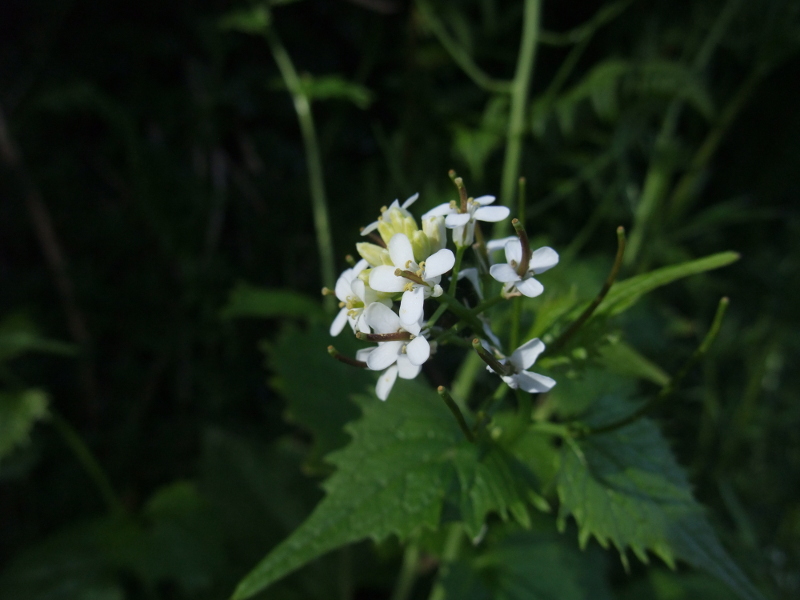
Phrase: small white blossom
pixel 463 223
pixel 521 360
pixel 429 273
pixel 354 296
pixel 395 358
pixel 541 260
pixel 396 204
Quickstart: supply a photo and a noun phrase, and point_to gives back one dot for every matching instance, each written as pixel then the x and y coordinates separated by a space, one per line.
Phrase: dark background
pixel 152 160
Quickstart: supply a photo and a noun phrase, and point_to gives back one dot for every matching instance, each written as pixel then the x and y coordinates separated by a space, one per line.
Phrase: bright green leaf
pixel 624 359
pixel 625 488
pixel 250 301
pixel 408 459
pixel 326 87
pixel 529 565
pixel 625 294
pixel 316 387
pixel 19 411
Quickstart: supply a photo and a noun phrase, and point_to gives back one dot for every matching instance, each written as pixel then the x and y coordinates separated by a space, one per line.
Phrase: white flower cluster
pixel 407 264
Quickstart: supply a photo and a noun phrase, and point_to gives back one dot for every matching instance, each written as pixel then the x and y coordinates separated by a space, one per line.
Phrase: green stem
pixel 316 180
pixel 452 548
pixel 520 89
pixel 458 54
pixel 589 310
pixel 451 404
pixel 486 305
pixel 673 383
pixel 461 311
pixel 451 289
pixel 408 573
pixel 89 464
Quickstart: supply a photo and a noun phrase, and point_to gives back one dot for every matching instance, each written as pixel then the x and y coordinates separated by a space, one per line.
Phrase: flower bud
pixel 396 220
pixel 373 254
pixel 421 246
pixel 435 230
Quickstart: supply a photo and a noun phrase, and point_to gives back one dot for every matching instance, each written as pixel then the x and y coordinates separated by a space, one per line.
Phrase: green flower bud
pixel 373 254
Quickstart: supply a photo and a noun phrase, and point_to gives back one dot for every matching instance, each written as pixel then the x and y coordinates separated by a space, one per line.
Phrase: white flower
pixel 463 223
pixel 396 204
pixel 522 359
pixel 541 260
pixel 354 296
pixel 395 357
pixel 427 275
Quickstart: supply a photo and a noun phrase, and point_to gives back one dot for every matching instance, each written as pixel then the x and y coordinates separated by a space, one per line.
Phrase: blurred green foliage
pixel 151 162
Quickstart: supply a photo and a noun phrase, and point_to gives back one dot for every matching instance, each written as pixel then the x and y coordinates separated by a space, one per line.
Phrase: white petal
pixel 543 259
pixel 342 288
pixel 406 369
pixel 364 353
pixel 410 200
pixel 383 279
pixel 411 306
pixel 339 322
pixel 360 266
pixel 438 211
pixel 384 355
pixel 524 356
pixel 361 324
pixel 503 273
pixel 529 287
pixel 400 250
pixel 493 245
pixel 439 263
pixel 534 383
pixel 385 382
pixel 511 381
pixel 492 214
pixel 369 228
pixel 381 318
pixel 418 350
pixel 513 250
pixel 490 334
pixel 484 200
pixel 457 219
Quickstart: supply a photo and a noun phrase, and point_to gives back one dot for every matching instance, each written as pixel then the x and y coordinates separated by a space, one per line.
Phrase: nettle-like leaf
pixel 625 488
pixel 316 387
pixel 408 461
pixel 528 565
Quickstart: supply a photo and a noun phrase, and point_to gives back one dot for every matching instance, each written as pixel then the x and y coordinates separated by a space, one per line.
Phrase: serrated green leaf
pixel 407 459
pixel 625 294
pixel 251 301
pixel 529 565
pixel 625 488
pixel 316 387
pixel 19 411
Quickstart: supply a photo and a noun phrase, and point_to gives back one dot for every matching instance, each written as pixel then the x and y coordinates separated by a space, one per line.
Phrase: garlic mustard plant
pixel 407 279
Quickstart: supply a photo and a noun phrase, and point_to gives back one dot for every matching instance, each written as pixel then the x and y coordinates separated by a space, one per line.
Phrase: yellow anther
pixel 409 287
pixel 342 305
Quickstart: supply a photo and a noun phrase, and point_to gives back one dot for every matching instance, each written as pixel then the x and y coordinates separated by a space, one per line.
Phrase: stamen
pixel 346 359
pixel 411 276
pixel 385 337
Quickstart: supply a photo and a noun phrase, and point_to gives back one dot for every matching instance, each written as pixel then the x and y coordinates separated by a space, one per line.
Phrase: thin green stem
pixel 451 404
pixel 451 289
pixel 519 102
pixel 486 305
pixel 459 55
pixel 316 180
pixel 452 548
pixel 408 573
pixel 585 31
pixel 461 311
pixel 671 386
pixel 89 463
pixel 589 310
